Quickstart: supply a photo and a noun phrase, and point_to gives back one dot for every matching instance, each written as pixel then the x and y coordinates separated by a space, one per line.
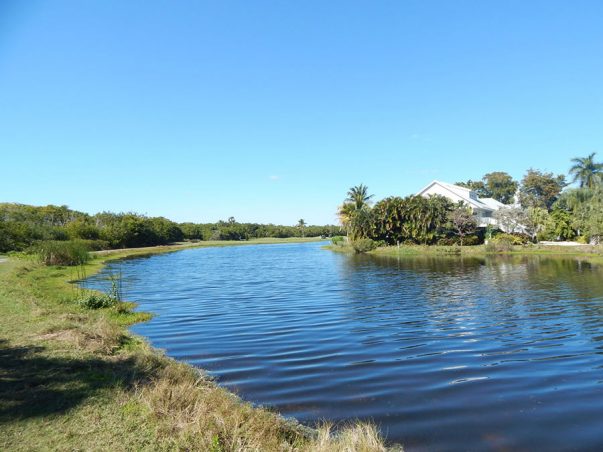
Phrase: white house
pixel 483 208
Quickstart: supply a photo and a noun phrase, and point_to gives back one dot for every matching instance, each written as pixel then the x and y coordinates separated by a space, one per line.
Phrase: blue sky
pixel 270 110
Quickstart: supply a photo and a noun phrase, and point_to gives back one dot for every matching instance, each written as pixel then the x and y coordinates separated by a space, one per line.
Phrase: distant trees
pixel 130 230
pixel 82 228
pixel 540 189
pixel 479 187
pixel 22 226
pixel 501 186
pixel 498 185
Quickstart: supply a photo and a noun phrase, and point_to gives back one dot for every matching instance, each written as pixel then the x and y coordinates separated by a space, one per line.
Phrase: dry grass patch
pixel 359 437
pixel 193 412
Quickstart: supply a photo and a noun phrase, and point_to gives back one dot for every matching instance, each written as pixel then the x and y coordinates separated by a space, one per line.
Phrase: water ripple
pixel 443 354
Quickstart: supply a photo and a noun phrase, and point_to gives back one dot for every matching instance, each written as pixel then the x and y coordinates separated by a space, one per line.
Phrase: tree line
pixel 541 206
pixel 23 226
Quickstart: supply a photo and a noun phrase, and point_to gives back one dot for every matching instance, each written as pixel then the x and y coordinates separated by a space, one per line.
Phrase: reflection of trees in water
pixel 510 294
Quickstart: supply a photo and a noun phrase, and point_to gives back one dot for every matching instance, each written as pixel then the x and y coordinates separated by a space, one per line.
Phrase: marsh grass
pixel 57 252
pixel 73 379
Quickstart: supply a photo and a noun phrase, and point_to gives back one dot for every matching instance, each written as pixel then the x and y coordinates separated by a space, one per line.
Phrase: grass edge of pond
pixel 593 254
pixel 72 377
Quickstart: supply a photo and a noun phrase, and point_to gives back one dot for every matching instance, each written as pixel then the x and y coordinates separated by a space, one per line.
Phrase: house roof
pixel 494 204
pixel 465 195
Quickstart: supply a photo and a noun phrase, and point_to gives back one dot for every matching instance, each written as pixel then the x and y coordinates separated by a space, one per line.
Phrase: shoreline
pixel 94 380
pixel 207 244
pixel 591 253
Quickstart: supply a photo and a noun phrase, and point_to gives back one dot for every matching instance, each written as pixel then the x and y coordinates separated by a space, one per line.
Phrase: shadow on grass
pixel 32 384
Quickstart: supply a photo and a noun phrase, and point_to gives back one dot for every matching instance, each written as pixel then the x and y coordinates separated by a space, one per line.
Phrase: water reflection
pixel 443 353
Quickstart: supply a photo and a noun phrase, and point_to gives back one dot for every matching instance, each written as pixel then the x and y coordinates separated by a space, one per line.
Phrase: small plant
pixel 111 299
pixel 96 301
pixel 115 290
pixel 215 444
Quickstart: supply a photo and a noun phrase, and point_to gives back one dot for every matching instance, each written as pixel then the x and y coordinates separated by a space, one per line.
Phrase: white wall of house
pixel 482 209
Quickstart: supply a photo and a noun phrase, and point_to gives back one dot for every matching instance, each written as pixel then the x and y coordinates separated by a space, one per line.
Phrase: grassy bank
pixel 76 379
pixel 591 253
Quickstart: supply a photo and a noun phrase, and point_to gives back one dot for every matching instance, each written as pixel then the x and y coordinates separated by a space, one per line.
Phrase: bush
pixel 511 239
pixel 82 228
pixel 504 242
pixel 364 245
pixel 468 240
pixel 95 245
pixel 338 240
pixel 54 252
pixel 96 301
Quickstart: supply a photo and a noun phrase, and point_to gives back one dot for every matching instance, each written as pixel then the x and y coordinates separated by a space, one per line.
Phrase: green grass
pixel 73 379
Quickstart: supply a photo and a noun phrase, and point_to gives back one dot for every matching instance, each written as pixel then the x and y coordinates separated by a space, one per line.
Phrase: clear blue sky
pixel 270 110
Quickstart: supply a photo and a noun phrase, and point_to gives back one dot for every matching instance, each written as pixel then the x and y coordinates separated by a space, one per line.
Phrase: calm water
pixel 443 354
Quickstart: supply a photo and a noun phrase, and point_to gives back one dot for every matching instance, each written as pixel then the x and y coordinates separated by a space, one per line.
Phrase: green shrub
pixel 503 242
pixel 364 245
pixel 338 240
pixel 468 240
pixel 96 245
pixel 96 301
pixel 70 252
pixel 511 239
pixel 112 297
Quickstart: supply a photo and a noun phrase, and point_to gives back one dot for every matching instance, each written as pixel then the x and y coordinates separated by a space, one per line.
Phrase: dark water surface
pixel 442 354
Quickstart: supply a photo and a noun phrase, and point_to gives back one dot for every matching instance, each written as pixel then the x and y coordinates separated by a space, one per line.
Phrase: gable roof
pixel 494 204
pixel 465 195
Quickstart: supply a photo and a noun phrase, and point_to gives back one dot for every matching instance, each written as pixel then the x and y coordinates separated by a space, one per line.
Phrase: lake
pixel 441 353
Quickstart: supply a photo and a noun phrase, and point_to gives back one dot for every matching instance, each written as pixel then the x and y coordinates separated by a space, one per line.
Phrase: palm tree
pixel 301 224
pixel 587 171
pixel 355 212
pixel 359 196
